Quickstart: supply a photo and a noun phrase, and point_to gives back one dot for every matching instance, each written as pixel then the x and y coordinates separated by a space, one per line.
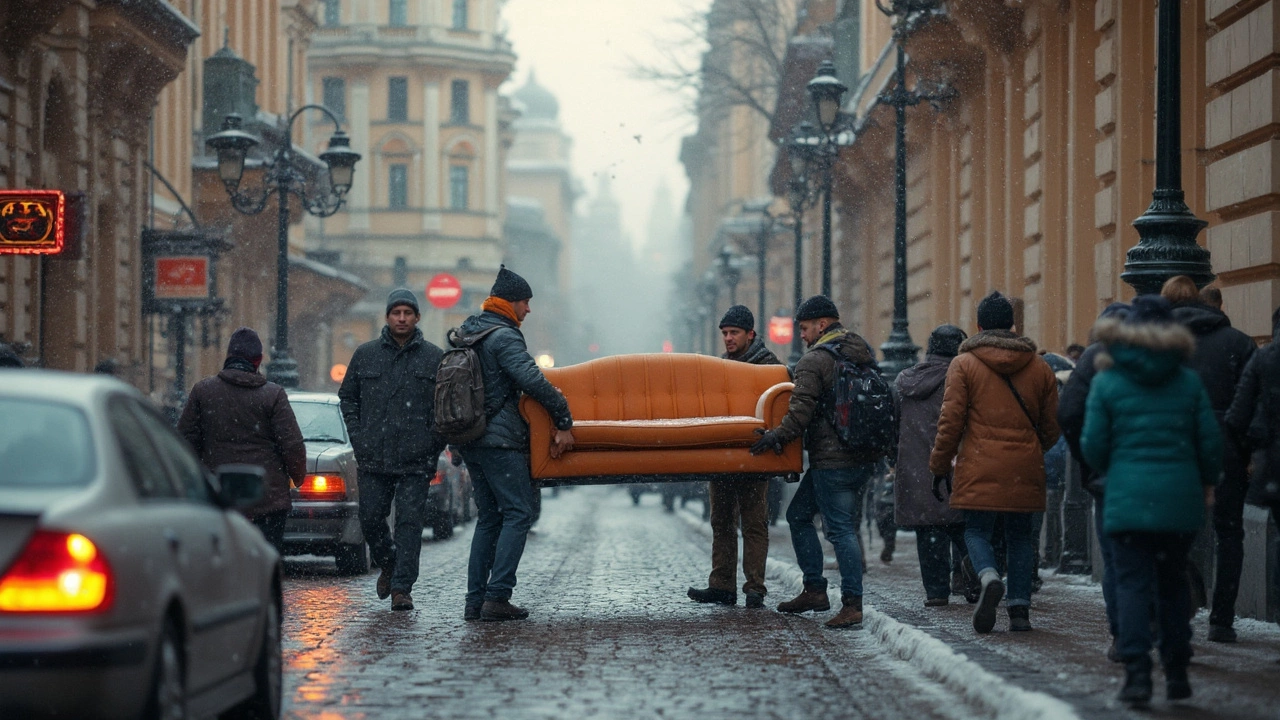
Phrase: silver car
pixel 325 519
pixel 128 583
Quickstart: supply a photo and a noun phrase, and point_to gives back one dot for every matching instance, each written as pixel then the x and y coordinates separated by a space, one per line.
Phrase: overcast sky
pixel 583 51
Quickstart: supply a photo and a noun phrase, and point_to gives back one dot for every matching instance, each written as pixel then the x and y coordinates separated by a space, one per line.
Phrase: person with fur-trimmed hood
pixel 999 418
pixel 1150 427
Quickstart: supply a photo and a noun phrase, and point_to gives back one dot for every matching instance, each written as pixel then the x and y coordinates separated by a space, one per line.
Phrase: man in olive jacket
pixel 237 416
pixel 499 459
pixel 388 400
pixel 836 481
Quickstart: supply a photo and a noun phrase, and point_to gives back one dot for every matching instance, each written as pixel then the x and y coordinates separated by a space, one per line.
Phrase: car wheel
pixel 268 680
pixel 168 699
pixel 352 558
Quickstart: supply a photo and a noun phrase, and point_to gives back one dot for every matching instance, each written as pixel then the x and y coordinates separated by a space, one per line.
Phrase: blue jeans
pixel 978 528
pixel 503 491
pixel 1108 570
pixel 838 495
pixel 409 492
pixel 1151 569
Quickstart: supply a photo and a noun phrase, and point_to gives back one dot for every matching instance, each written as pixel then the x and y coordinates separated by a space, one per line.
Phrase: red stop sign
pixel 444 291
pixel 780 329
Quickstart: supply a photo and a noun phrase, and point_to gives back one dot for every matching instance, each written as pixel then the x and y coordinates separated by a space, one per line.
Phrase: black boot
pixel 1137 681
pixel 1019 618
pixel 712 595
pixel 1176 684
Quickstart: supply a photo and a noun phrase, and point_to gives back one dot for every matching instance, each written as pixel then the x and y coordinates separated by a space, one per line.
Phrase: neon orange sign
pixel 32 222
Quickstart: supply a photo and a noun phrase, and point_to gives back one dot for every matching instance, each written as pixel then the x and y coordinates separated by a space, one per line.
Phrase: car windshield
pixel 51 446
pixel 320 422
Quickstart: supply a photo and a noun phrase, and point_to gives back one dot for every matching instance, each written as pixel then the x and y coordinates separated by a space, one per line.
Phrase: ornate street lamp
pixel 730 271
pixel 826 92
pixel 768 223
pixel 1168 228
pixel 232 146
pixel 800 153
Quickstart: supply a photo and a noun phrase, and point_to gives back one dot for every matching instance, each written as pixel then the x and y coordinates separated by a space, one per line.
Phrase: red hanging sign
pixel 780 330
pixel 32 222
pixel 444 291
pixel 182 277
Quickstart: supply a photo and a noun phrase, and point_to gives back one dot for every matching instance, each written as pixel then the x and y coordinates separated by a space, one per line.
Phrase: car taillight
pixel 57 572
pixel 438 478
pixel 323 487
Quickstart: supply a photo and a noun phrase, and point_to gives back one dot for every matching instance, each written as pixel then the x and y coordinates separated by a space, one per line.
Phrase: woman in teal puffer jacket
pixel 1149 427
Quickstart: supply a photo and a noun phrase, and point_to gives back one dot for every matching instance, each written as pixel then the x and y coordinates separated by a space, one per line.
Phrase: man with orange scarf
pixel 498 460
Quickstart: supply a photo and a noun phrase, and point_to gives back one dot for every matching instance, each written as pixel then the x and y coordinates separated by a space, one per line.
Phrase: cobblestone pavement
pixel 611 635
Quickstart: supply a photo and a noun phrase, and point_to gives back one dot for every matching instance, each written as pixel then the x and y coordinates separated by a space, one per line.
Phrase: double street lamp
pixel 281 179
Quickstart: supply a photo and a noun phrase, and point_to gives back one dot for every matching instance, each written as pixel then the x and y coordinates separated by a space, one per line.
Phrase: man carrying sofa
pixel 837 478
pixel 732 498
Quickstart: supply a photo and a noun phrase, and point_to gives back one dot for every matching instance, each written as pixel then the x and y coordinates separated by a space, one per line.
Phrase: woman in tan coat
pixel 999 417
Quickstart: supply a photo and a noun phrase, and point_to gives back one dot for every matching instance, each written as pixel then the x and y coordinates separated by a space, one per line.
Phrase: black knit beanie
pixel 945 341
pixel 818 306
pixel 995 312
pixel 510 286
pixel 739 316
pixel 402 296
pixel 1150 309
pixel 245 344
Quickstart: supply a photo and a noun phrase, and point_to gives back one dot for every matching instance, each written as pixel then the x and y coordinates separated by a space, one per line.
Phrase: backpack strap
pixel 1018 396
pixel 459 340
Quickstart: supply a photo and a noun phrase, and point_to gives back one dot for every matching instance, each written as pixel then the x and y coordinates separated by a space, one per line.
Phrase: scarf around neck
pixel 498 306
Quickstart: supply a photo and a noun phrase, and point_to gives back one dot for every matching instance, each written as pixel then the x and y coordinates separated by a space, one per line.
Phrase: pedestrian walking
pixel 939 528
pixel 998 419
pixel 735 500
pixel 1219 359
pixel 387 399
pixel 498 459
pixel 1254 421
pixel 1149 426
pixel 237 416
pixel 1071 408
pixel 836 482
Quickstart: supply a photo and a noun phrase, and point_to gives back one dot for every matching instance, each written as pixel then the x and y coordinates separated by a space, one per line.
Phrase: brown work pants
pixel 731 500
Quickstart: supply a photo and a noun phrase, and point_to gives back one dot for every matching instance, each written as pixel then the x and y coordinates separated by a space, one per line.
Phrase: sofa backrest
pixel 662 386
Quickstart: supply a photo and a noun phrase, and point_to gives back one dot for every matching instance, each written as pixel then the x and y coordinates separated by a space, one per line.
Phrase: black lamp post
pixel 730 271
pixel 826 92
pixel 709 294
pixel 231 145
pixel 1168 229
pixel 799 154
pixel 899 351
pixel 763 236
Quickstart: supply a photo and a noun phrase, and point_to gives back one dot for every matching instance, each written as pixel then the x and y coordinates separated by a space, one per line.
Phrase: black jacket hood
pixel 1200 319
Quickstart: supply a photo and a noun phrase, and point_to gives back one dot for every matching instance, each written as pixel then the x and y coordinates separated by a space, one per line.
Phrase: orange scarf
pixel 498 306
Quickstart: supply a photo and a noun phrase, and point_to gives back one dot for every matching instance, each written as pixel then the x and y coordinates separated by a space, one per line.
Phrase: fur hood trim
pixel 1157 337
pixel 1002 339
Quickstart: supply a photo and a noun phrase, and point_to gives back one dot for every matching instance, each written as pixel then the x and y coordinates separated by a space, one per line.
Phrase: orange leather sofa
pixel 662 417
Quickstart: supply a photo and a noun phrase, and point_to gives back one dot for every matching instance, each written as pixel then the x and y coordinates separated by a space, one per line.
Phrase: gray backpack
pixel 459 415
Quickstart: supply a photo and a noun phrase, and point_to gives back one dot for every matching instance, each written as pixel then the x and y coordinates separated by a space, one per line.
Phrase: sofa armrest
pixel 541 429
pixel 772 405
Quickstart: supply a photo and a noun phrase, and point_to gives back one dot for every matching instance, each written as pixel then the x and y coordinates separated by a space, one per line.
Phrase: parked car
pixel 325 519
pixel 449 497
pixel 129 586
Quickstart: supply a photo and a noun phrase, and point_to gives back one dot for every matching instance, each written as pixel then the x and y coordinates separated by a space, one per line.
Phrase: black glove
pixel 768 441
pixel 938 480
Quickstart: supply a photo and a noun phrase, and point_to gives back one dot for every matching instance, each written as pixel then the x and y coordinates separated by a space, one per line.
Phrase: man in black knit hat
pixel 388 401
pixel 732 499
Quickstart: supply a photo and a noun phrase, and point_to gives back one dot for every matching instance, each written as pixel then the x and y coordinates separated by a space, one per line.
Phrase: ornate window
pixel 335 96
pixel 459 14
pixel 398 186
pixel 397 14
pixel 459 185
pixel 460 102
pixel 398 99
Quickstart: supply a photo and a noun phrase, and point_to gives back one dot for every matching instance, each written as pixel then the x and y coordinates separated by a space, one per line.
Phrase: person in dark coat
pixel 1220 357
pixel 939 528
pixel 237 416
pixel 734 500
pixel 498 460
pixel 10 358
pixel 1150 427
pixel 836 482
pixel 388 399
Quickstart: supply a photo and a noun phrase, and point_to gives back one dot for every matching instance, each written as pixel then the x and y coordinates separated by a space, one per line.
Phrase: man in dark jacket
pixel 734 499
pixel 387 399
pixel 237 416
pixel 836 481
pixel 1220 356
pixel 938 527
pixel 498 460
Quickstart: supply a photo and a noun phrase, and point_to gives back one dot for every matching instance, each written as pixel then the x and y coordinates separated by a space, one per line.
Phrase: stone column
pixel 493 226
pixel 358 114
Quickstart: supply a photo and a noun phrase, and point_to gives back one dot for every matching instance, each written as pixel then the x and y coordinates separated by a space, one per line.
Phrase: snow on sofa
pixel 662 417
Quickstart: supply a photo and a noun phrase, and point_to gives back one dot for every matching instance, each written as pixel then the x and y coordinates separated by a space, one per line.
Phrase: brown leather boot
pixel 813 598
pixel 850 614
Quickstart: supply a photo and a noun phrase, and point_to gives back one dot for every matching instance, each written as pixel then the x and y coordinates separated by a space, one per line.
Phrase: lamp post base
pixel 899 352
pixel 283 370
pixel 1168 246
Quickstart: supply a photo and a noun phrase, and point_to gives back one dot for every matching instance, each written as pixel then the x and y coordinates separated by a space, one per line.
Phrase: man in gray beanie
pixel 732 499
pixel 388 401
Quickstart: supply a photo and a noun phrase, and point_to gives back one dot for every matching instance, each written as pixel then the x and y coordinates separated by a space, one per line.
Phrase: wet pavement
pixel 611 635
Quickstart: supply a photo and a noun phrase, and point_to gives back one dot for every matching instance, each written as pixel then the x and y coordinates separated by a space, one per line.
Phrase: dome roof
pixel 538 101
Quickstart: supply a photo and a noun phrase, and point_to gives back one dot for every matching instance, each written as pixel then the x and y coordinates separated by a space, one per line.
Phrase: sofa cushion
pixel 683 433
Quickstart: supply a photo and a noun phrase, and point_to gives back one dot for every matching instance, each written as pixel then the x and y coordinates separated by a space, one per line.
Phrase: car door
pixel 176 532
pixel 226 632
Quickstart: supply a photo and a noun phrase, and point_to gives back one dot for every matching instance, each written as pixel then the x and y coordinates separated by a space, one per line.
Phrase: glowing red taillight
pixel 323 487
pixel 57 572
pixel 438 478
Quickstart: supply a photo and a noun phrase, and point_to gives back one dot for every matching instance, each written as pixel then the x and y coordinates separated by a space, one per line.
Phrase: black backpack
pixel 459 414
pixel 861 408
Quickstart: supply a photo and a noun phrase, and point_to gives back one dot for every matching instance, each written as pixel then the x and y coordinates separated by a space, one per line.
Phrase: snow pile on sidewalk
pixel 985 691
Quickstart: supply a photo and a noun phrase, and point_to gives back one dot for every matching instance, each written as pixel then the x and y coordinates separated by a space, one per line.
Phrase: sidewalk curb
pixel 985 691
